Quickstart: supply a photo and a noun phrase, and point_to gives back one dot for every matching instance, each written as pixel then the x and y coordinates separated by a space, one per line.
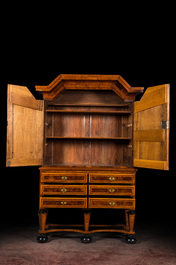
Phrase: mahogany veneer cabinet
pixel 89 136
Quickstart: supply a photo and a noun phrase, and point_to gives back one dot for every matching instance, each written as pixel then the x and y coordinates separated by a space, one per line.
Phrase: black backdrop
pixel 37 61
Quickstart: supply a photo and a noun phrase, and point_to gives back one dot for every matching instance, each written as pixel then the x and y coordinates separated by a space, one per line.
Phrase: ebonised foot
pixel 130 239
pixel 42 238
pixel 86 239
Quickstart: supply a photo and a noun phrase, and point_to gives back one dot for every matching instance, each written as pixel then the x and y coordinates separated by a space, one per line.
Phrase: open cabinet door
pixel 151 128
pixel 25 118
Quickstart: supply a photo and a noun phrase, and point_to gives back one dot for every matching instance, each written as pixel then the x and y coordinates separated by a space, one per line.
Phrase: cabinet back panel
pixel 100 152
pixel 71 152
pixel 67 152
pixel 106 153
pixel 68 125
pixel 106 126
pixel 86 152
pixel 88 97
pixel 86 125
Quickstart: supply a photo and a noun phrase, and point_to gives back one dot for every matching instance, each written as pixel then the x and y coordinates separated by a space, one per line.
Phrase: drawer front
pixel 63 202
pixel 112 178
pixel 112 190
pixel 64 190
pixel 112 203
pixel 63 177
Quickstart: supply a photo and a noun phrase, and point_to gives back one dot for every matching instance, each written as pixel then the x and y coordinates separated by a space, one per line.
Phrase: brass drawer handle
pixel 112 203
pixel 63 203
pixel 64 178
pixel 64 190
pixel 111 190
pixel 111 178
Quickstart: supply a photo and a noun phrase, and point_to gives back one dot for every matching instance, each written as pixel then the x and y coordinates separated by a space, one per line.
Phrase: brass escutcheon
pixel 111 178
pixel 64 178
pixel 63 203
pixel 111 190
pixel 112 203
pixel 64 190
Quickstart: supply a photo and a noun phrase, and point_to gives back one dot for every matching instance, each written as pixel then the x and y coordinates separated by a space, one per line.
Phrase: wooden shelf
pixel 124 112
pixel 88 138
pixel 91 105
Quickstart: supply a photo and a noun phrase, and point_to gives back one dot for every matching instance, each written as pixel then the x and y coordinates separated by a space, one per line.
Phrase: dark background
pixel 141 57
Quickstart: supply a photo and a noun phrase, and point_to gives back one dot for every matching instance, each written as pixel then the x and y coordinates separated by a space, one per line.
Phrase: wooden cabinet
pixel 89 136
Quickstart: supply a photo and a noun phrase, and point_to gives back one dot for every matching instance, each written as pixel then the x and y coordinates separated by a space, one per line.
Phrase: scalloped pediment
pixel 89 82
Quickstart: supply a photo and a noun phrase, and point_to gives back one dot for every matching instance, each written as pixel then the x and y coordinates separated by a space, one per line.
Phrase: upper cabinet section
pixel 90 82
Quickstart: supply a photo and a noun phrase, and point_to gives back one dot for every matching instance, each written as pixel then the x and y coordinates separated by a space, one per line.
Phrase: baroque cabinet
pixel 89 136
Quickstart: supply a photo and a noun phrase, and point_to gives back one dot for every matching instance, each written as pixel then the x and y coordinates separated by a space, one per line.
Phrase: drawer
pixel 63 202
pixel 112 203
pixel 112 178
pixel 112 190
pixel 64 177
pixel 64 190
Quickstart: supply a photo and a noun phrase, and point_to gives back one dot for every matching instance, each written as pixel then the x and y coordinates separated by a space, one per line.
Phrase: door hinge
pixel 7 123
pixel 8 163
pixel 164 124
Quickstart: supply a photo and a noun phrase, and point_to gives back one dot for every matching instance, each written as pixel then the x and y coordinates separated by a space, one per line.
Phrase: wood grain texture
pixel 25 117
pixel 112 178
pixel 75 98
pixel 91 135
pixel 65 202
pixel 102 112
pixel 89 143
pixel 88 82
pixel 150 135
pixel 112 203
pixel 42 221
pixel 111 190
pixel 64 190
pixel 131 221
pixel 61 169
pixel 86 194
pixel 153 164
pixel 63 177
pixel 86 220
pixel 151 140
pixel 153 96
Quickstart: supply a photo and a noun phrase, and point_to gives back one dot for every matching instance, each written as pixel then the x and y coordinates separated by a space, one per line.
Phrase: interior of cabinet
pixel 92 128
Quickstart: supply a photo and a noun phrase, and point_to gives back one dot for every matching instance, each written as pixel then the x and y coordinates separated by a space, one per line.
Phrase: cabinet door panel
pixel 25 117
pixel 151 128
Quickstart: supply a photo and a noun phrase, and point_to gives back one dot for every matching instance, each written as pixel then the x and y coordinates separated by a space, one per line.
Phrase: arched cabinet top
pixel 89 82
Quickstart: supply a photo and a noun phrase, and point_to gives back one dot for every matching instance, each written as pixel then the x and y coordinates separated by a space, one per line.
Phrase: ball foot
pixel 130 239
pixel 86 239
pixel 42 238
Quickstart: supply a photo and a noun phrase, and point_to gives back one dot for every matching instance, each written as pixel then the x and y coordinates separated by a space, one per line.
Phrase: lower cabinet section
pixel 87 190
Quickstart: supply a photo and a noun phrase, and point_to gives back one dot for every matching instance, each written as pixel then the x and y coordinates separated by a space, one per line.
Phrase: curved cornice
pixel 89 82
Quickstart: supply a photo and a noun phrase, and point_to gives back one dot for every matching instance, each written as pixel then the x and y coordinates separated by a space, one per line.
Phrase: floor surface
pixel 156 245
